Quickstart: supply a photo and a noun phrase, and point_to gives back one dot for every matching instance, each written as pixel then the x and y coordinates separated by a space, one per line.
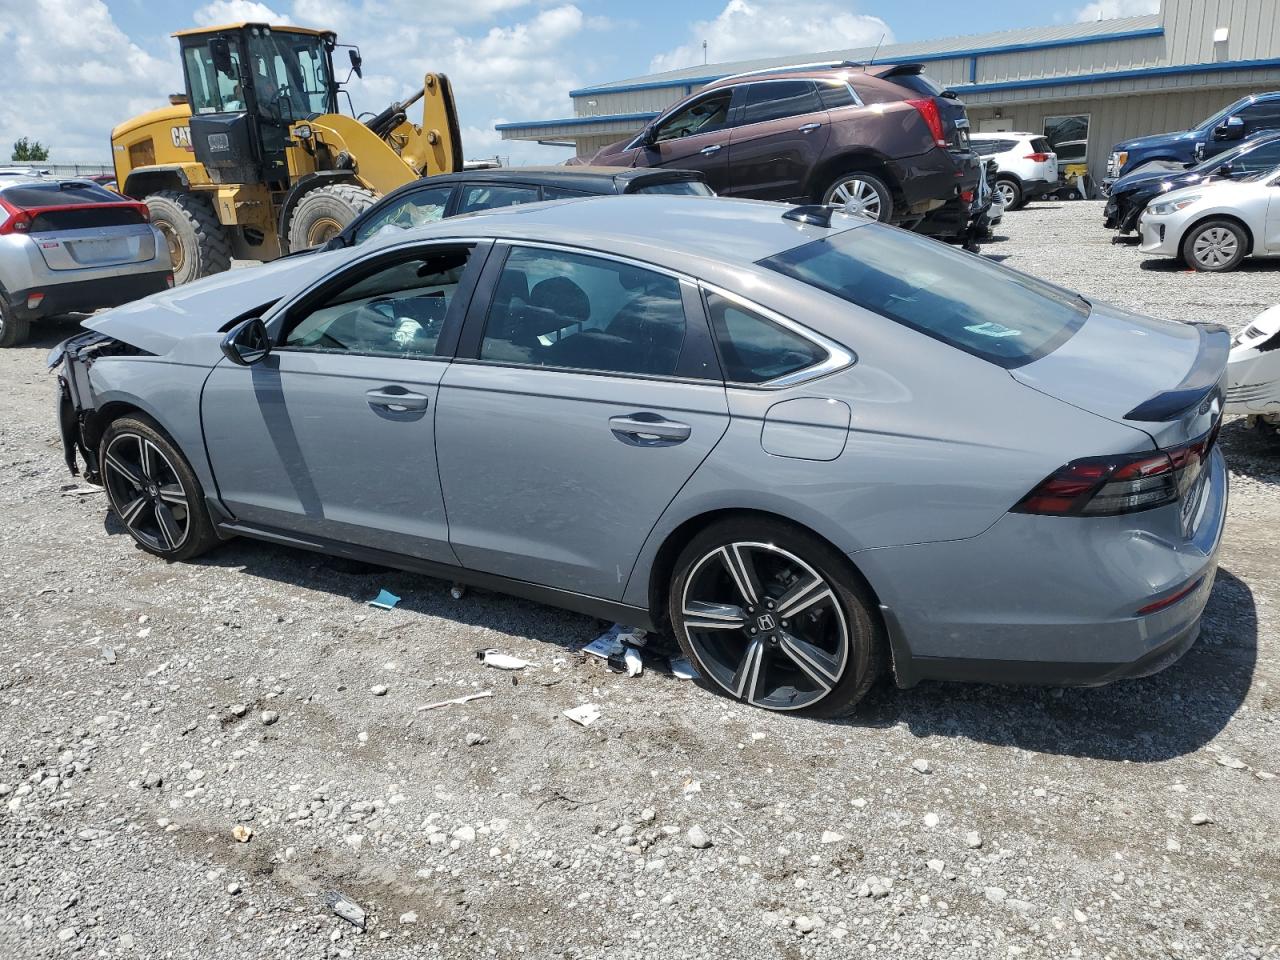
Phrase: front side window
pixel 211 90
pixel 1263 158
pixel 1264 115
pixel 558 309
pixel 397 310
pixel 977 306
pixel 487 196
pixel 563 193
pixel 702 116
pixel 777 99
pixel 754 349
pixel 414 209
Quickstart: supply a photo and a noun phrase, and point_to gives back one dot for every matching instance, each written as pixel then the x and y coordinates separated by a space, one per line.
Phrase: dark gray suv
pixel 884 140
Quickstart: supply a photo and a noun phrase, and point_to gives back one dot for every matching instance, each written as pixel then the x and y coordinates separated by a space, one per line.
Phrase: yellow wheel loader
pixel 255 160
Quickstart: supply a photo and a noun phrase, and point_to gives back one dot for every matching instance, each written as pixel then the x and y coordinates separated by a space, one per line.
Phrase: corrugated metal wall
pixel 1071 61
pixel 1253 29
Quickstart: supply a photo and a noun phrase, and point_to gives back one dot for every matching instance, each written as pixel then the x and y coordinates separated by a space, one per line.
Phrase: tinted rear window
pixel 683 188
pixel 58 195
pixel 971 303
pixel 917 83
pixel 986 148
pixel 83 219
pixel 1040 145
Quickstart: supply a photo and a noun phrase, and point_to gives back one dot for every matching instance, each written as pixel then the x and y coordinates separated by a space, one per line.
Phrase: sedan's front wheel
pixel 153 491
pixel 1215 246
pixel 771 616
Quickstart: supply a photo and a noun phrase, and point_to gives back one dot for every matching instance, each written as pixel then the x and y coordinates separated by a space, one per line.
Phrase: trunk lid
pixel 1159 376
pixel 85 247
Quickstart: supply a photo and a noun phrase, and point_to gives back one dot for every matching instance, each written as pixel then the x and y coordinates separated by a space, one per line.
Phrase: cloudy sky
pixel 71 69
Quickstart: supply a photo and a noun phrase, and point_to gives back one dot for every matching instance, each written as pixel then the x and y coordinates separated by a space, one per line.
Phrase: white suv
pixel 1026 165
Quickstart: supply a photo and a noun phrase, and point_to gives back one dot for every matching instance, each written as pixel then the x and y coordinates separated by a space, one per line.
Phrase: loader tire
pixel 198 246
pixel 323 212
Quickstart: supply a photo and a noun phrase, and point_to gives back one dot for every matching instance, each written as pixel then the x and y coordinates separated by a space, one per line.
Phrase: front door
pixel 780 130
pixel 695 137
pixel 591 396
pixel 332 435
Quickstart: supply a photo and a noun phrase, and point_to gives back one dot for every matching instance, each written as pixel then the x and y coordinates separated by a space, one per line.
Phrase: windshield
pixel 290 73
pixel 967 301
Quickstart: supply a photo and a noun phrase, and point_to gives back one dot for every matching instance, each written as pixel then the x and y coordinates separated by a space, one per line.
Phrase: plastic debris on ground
pixel 502 661
pixel 385 600
pixel 348 910
pixel 682 669
pixel 613 641
pixel 457 591
pixel 635 666
pixel 109 654
pixel 584 715
pixel 446 703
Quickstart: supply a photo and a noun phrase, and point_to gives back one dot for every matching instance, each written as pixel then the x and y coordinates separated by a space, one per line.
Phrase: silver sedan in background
pixel 813 447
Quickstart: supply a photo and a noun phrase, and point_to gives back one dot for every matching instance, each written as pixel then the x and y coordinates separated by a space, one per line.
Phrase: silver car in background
pixel 811 446
pixel 72 245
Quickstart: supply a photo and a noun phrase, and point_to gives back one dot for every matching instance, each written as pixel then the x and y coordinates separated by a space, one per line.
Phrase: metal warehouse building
pixel 1085 85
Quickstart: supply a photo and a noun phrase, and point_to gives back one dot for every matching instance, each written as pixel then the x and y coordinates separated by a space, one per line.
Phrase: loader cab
pixel 247 84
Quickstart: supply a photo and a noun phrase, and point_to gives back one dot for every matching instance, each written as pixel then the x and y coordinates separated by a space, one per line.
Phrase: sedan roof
pixel 665 230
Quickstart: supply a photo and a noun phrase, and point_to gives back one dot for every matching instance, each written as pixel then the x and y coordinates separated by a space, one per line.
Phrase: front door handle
pixel 649 430
pixel 809 127
pixel 708 151
pixel 396 399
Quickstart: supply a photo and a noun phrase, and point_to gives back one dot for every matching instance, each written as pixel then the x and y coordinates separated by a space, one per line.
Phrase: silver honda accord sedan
pixel 812 447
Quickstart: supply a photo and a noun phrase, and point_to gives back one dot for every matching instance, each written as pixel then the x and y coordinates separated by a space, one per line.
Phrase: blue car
pixel 1242 120
pixel 1129 196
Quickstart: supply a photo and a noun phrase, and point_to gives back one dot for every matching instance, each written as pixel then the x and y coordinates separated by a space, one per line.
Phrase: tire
pixel 13 330
pixel 868 193
pixel 820 661
pixel 324 211
pixel 147 478
pixel 1215 246
pixel 198 246
pixel 1011 190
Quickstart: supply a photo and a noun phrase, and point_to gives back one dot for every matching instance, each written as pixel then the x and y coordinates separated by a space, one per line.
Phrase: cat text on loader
pixel 255 160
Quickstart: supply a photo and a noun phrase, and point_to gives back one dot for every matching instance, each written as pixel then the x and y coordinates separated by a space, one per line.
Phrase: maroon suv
pixel 884 138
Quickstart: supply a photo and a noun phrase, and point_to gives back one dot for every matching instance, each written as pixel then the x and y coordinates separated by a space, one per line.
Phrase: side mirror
pixel 650 136
pixel 357 62
pixel 1231 128
pixel 334 243
pixel 1225 170
pixel 247 343
pixel 220 51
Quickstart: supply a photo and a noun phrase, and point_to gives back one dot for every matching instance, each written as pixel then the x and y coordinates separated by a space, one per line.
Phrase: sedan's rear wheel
pixel 1215 246
pixel 862 193
pixel 771 616
pixel 153 491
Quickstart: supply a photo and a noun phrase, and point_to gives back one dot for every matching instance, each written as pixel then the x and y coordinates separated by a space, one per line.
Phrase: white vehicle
pixel 1026 164
pixel 1214 226
pixel 1253 373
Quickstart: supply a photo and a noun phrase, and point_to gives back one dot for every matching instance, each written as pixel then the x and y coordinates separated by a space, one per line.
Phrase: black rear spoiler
pixel 1198 386
pixel 896 70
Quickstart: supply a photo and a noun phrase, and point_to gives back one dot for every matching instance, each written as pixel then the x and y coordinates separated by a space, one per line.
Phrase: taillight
pixel 966 196
pixel 1038 157
pixel 1125 483
pixel 929 110
pixel 16 221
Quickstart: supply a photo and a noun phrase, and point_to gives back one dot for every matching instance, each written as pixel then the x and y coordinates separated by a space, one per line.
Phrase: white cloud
pixel 745 29
pixel 236 11
pixel 1110 9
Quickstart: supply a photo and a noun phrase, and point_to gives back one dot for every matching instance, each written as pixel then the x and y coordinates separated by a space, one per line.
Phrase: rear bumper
pixel 1034 189
pixel 1121 213
pixel 1051 600
pixel 84 295
pixel 930 179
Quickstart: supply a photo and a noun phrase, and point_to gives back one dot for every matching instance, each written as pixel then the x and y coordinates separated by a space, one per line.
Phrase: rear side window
pixel 681 188
pixel 776 99
pixel 58 195
pixel 487 196
pixel 917 83
pixel 1040 145
pixel 977 306
pixel 834 95
pixel 754 349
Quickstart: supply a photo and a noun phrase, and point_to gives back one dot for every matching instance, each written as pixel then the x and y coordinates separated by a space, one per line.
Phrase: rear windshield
pixel 684 188
pixel 84 219
pixel 962 299
pixel 918 83
pixel 56 194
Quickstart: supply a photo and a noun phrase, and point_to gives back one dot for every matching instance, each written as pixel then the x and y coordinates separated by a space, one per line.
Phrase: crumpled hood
pixel 156 323
pixel 1152 180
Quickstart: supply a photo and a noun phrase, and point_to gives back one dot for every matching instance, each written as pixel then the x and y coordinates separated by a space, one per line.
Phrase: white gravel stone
pixel 697 838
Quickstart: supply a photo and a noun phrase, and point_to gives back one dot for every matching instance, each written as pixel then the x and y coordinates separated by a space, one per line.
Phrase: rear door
pixel 780 130
pixel 695 137
pixel 585 393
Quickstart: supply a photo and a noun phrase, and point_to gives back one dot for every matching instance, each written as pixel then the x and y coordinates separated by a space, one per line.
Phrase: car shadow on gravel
pixel 1259 265
pixel 49 333
pixel 1250 452
pixel 1175 712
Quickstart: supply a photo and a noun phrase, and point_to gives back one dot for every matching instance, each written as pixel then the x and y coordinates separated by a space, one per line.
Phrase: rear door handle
pixel 396 399
pixel 809 127
pixel 708 151
pixel 649 430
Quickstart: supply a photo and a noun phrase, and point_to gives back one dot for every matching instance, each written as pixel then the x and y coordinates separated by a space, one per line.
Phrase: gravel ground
pixel 194 757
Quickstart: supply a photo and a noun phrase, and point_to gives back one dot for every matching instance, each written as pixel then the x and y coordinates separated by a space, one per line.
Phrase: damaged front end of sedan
pixel 79 422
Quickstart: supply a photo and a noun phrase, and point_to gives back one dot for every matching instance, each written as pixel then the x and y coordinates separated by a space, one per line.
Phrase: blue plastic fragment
pixel 385 600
